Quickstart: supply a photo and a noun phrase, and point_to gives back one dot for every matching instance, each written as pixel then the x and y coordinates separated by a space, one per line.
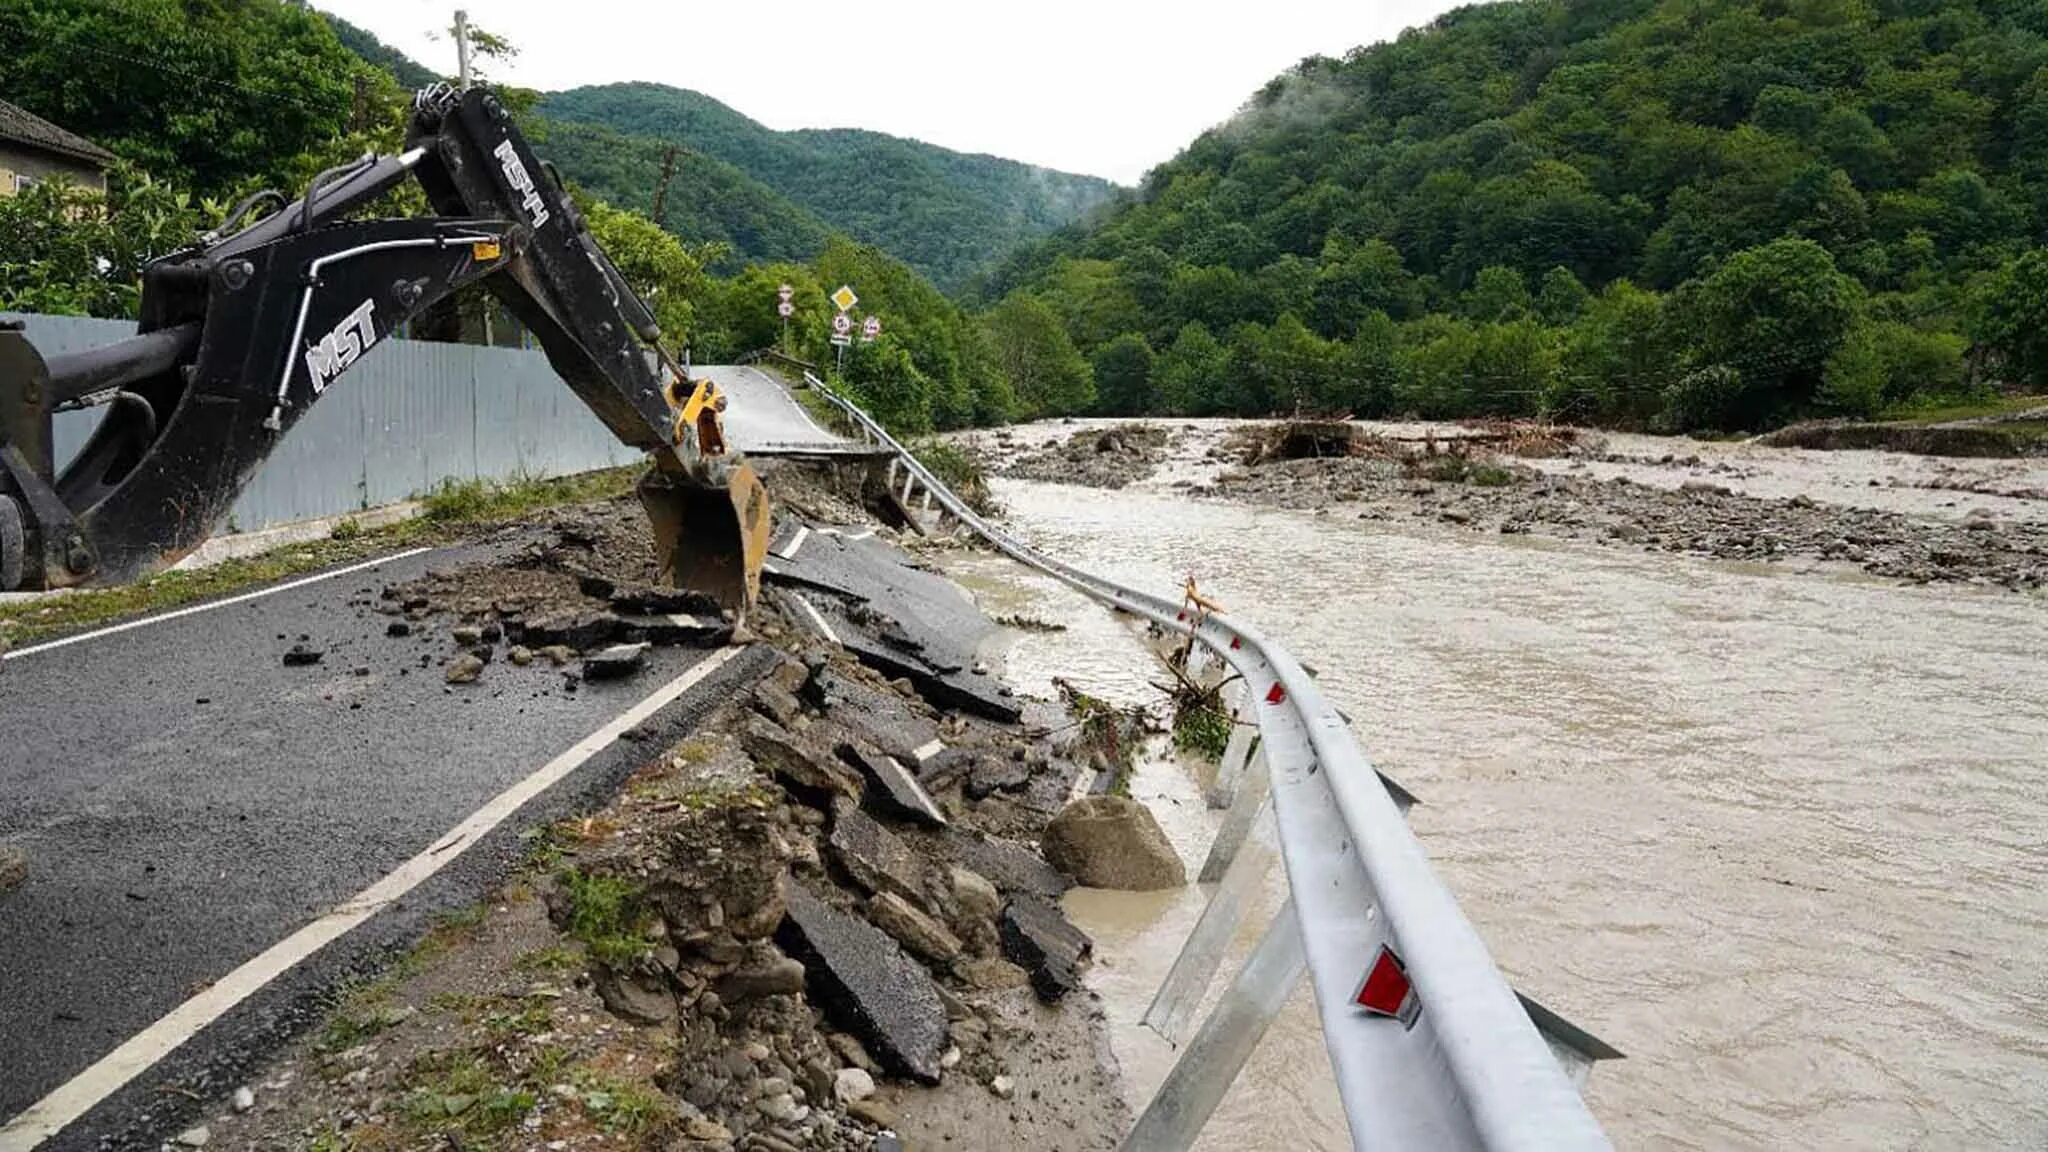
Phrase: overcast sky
pixel 1108 87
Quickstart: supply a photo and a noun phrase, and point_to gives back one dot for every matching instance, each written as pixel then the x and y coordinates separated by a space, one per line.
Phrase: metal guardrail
pixel 1458 1063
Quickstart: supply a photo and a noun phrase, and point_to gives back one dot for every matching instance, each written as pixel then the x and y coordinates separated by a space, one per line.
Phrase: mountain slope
pixel 1484 181
pixel 947 214
pixel 408 72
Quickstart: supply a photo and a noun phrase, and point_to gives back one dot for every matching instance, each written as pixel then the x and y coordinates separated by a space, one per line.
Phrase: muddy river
pixel 1781 837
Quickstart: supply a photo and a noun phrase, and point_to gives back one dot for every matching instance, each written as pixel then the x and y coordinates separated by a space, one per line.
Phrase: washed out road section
pixel 185 799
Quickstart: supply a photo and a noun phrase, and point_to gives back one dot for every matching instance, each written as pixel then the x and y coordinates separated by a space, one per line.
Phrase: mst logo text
pixel 341 347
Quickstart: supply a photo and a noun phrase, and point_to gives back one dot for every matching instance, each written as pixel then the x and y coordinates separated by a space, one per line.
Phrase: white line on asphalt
pixel 929 750
pixel 54 1112
pixel 824 629
pixel 32 649
pixel 788 551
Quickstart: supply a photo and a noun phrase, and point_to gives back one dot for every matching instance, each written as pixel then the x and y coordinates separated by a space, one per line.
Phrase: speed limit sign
pixel 785 309
pixel 842 324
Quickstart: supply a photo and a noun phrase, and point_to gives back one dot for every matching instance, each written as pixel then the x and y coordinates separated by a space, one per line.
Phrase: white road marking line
pixel 788 551
pixel 82 637
pixel 929 750
pixel 917 789
pixel 824 630
pixel 67 1103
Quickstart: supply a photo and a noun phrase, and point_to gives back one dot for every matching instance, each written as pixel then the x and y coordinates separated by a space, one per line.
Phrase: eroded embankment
pixel 819 922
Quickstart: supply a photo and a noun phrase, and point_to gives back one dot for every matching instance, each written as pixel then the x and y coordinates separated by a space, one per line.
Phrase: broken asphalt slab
pixel 866 985
pixel 891 787
pixel 1038 939
pixel 1010 866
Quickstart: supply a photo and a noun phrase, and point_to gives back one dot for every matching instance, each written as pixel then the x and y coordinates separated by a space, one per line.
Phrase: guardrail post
pixel 1222 791
pixel 1207 1067
pixel 1173 1006
pixel 1237 823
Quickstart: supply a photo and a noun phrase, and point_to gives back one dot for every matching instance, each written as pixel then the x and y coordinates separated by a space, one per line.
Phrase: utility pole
pixel 461 48
pixel 668 169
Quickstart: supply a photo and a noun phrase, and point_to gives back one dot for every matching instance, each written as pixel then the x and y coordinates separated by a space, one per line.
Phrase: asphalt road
pixel 762 418
pixel 186 801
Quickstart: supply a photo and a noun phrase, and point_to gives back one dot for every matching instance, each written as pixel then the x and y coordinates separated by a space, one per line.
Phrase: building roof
pixel 19 126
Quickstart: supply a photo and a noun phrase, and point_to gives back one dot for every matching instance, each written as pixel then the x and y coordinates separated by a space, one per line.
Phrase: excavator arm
pixel 242 332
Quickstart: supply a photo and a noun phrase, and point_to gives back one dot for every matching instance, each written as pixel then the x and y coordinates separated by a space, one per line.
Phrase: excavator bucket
pixel 712 536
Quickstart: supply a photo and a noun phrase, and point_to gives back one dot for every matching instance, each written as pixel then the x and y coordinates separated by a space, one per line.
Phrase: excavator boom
pixel 242 332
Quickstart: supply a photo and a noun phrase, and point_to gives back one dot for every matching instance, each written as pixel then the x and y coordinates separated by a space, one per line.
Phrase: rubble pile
pixel 1097 457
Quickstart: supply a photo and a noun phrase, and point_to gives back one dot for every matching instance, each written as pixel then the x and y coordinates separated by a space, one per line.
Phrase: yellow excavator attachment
pixel 711 521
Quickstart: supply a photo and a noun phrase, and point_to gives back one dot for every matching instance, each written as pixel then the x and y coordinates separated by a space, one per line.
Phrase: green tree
pixel 1031 348
pixel 1775 315
pixel 2009 317
pixel 1193 372
pixel 1498 293
pixel 67 250
pixel 1123 376
pixel 667 275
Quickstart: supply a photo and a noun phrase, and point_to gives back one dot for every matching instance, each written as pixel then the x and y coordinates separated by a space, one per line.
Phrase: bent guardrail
pixel 1430 1046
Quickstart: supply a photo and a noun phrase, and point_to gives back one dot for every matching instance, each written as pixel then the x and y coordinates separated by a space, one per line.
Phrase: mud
pixel 1103 457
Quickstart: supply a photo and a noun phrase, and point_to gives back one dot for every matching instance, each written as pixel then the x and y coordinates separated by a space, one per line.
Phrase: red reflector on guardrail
pixel 1275 694
pixel 1236 643
pixel 1386 990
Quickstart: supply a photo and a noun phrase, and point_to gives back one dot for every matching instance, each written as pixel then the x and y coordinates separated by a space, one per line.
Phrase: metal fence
pixel 1430 1046
pixel 410 415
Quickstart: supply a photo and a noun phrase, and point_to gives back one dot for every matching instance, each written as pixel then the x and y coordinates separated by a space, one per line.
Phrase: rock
pixel 706 1130
pixel 848 1048
pixel 876 859
pixel 557 654
pixel 1980 520
pixel 976 896
pixel 913 929
pixel 991 973
pixel 1112 842
pixel 244 1098
pixel 193 1137
pixel 297 656
pixel 573 629
pixel 614 663
pixel 464 669
pixel 1455 516
pixel 865 985
pixel 467 635
pixel 777 703
pixel 851 1084
pixel 891 787
pixel 780 1107
pixel 1003 1087
pixel 1011 866
pixel 639 997
pixel 776 976
pixel 872 1112
pixel 13 867
pixel 398 628
pixel 990 775
pixel 1706 488
pixel 813 777
pixel 1041 941
pixel 520 655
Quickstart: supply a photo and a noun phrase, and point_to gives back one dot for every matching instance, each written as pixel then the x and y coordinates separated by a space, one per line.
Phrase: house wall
pixel 36 165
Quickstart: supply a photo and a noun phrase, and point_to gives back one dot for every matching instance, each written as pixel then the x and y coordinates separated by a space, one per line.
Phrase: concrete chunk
pixel 678 628
pixel 578 630
pixel 912 928
pixel 872 855
pixel 866 985
pixel 1037 938
pixel 891 786
pixel 614 663
pixel 814 777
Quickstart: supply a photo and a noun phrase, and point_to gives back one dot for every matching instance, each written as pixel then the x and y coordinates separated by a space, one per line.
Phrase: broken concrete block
pixel 614 663
pixel 866 985
pixel 913 929
pixel 872 855
pixel 813 777
pixel 891 787
pixel 678 628
pixel 1038 938
pixel 574 629
pixel 645 599
pixel 777 703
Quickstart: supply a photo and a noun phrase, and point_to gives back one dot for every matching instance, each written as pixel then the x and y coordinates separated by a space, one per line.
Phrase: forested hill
pixel 1695 213
pixel 947 214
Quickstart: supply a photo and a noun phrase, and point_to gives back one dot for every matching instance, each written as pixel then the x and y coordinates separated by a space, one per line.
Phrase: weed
pixel 1447 469
pixel 554 958
pixel 606 915
pixel 470 501
pixel 455 1091
pixel 346 529
pixel 1489 475
pixel 956 468
pixel 1201 725
pixel 626 1107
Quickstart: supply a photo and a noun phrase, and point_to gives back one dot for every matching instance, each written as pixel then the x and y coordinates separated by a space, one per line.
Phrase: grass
pixel 1936 410
pixel 456 1092
pixel 1487 474
pixel 622 1107
pixel 447 510
pixel 957 469
pixel 1201 725
pixel 606 916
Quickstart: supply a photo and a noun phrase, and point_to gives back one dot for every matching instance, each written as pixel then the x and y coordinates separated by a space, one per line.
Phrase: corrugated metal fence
pixel 409 416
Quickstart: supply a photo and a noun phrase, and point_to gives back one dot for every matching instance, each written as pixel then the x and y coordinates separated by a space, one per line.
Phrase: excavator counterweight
pixel 243 331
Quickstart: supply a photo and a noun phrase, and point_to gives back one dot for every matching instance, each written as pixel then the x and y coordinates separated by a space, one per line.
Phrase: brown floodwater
pixel 1780 837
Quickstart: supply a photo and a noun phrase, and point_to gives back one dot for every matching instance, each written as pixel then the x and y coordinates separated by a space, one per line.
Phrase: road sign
pixel 841 339
pixel 844 298
pixel 785 309
pixel 871 328
pixel 842 324
pixel 785 292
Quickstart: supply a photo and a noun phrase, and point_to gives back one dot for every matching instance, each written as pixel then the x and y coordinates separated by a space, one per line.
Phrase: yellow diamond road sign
pixel 845 299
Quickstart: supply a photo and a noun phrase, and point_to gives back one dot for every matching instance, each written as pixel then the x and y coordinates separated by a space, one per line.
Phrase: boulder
pixel 866 985
pixel 1112 842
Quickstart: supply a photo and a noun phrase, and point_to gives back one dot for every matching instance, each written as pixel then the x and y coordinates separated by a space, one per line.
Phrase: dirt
pixel 1095 457
pixel 1483 491
pixel 627 987
pixel 2002 439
